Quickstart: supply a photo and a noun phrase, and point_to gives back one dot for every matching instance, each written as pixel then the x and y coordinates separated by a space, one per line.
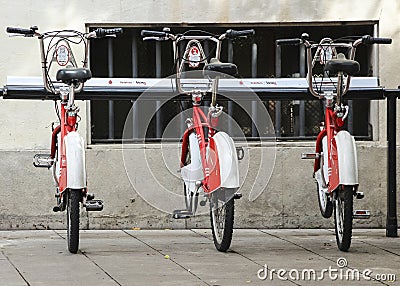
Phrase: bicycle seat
pixel 341 64
pixel 70 75
pixel 215 66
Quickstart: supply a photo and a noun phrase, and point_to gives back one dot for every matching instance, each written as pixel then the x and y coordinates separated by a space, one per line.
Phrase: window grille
pixel 130 56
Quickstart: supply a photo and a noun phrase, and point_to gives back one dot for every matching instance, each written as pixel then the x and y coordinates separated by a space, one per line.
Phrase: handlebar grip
pixel 289 42
pixel 148 33
pixel 231 34
pixel 368 40
pixel 22 31
pixel 101 33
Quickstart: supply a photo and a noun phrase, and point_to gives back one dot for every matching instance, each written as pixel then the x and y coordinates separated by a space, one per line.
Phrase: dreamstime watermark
pixel 339 273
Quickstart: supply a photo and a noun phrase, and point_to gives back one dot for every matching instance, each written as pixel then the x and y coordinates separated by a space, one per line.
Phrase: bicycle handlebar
pixel 231 34
pixel 63 35
pixel 22 31
pixel 289 42
pixel 368 40
pixel 101 33
pixel 148 33
pixel 320 50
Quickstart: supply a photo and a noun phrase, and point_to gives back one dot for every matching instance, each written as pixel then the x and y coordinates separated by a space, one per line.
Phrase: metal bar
pixel 135 124
pixel 278 103
pixel 254 132
pixel 302 106
pixel 230 51
pixel 134 55
pixel 230 116
pixel 254 60
pixel 158 59
pixel 302 118
pixel 350 117
pixel 239 139
pixel 126 93
pixel 182 117
pixel 158 119
pixel 254 103
pixel 158 102
pixel 391 218
pixel 110 102
pixel 206 49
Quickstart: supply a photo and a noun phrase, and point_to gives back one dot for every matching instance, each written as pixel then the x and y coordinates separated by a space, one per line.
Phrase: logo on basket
pixel 194 57
pixel 62 55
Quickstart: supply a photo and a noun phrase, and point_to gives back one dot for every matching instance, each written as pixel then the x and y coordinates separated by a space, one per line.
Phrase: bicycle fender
pixel 347 158
pixel 193 172
pixel 225 169
pixel 75 156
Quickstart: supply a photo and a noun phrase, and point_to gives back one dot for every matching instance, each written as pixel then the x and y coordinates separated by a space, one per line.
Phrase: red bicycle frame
pixel 200 122
pixel 332 126
pixel 68 124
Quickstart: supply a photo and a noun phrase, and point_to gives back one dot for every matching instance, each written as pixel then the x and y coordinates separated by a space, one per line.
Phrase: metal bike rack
pixel 273 89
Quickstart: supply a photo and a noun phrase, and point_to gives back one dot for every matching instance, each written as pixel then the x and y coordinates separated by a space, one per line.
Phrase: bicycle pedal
pixel 237 196
pixel 312 156
pixel 361 214
pixel 94 205
pixel 359 195
pixel 42 161
pixel 181 214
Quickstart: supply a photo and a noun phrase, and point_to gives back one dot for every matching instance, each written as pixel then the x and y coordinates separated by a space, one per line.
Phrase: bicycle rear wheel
pixel 73 200
pixel 343 208
pixel 222 207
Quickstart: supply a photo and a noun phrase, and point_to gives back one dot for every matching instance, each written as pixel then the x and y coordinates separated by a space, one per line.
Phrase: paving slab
pixel 188 257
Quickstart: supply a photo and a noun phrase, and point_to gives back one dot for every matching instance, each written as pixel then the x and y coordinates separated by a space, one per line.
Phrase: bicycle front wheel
pixel 343 208
pixel 74 198
pixel 222 215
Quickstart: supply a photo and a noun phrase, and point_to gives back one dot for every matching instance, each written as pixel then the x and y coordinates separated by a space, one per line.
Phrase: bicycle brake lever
pixel 215 111
pixel 153 39
pixel 346 112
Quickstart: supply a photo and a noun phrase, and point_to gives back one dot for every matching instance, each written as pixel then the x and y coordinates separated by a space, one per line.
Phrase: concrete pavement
pixel 188 257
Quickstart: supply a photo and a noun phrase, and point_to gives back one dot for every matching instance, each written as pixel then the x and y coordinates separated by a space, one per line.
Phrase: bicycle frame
pixel 336 170
pixel 212 176
pixel 336 167
pixel 198 124
pixel 70 145
pixel 67 152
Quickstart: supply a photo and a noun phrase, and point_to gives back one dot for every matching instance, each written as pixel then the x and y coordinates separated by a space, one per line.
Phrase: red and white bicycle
pixel 67 155
pixel 335 166
pixel 209 159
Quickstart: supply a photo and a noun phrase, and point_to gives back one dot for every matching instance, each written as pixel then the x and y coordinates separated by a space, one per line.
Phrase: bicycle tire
pixel 324 202
pixel 325 207
pixel 343 208
pixel 222 219
pixel 73 212
pixel 191 199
